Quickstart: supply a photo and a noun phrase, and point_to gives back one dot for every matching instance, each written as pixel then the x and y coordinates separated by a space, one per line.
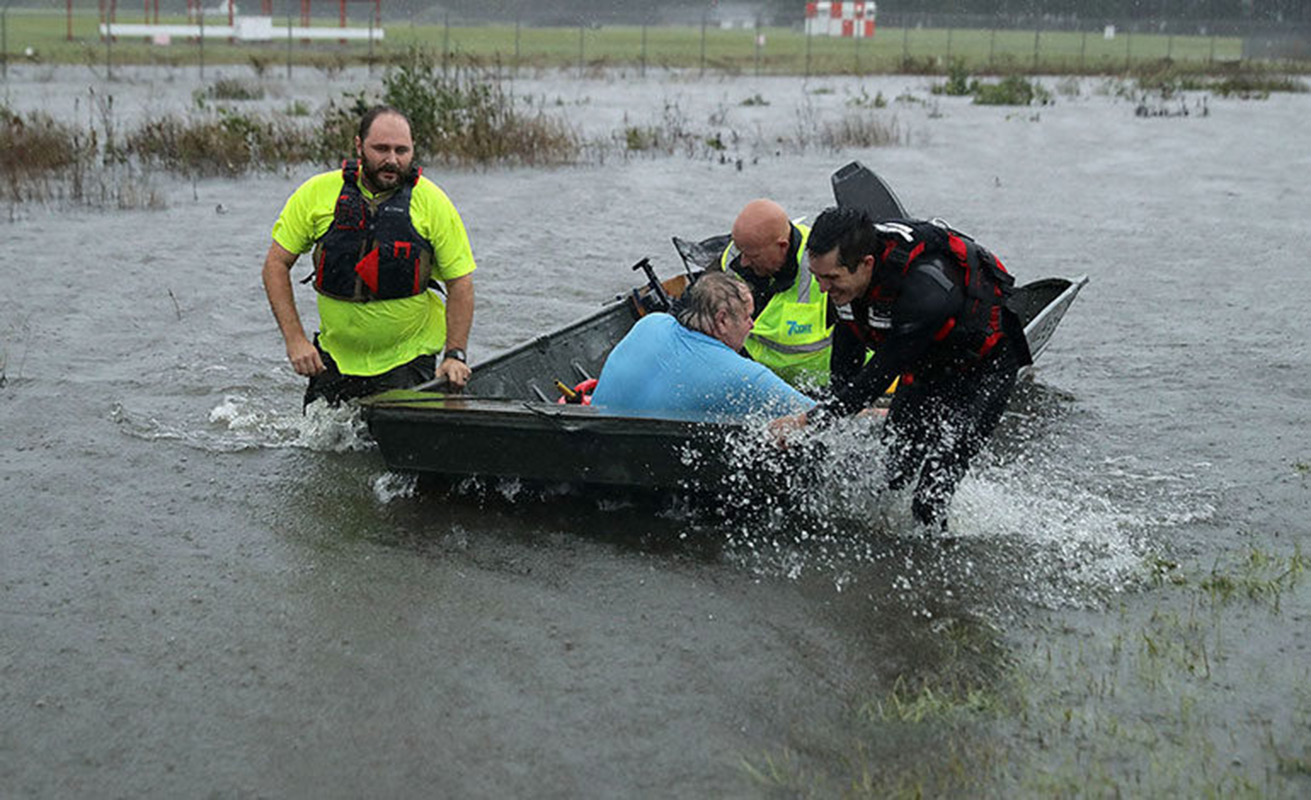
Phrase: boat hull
pixel 542 443
pixel 507 425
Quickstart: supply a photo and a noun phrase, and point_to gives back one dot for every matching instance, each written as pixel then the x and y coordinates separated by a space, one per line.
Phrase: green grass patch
pixel 1013 90
pixel 1261 577
pixel 1120 702
pixel 929 51
pixel 925 702
pixel 864 100
pixel 234 89
pixel 1293 765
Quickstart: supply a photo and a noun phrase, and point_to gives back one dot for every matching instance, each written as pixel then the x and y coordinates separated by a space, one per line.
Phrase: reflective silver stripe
pixel 803 279
pixel 791 349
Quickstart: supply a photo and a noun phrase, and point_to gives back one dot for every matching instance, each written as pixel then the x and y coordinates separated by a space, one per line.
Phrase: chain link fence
pixel 673 39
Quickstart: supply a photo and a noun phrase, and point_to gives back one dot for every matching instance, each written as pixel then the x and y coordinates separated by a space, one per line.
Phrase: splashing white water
pixel 333 429
pixel 1061 535
pixel 391 486
pixel 240 423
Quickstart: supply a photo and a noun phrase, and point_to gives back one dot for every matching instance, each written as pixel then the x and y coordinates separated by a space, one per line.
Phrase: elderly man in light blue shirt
pixel 675 366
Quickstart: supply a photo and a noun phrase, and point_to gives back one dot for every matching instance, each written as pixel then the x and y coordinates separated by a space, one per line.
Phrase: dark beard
pixel 375 181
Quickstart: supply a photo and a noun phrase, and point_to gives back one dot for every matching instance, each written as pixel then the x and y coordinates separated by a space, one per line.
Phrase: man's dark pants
pixel 938 424
pixel 337 388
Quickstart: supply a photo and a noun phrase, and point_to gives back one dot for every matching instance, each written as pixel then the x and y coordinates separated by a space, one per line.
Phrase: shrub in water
pixel 464 115
pixel 226 144
pixel 34 147
pixel 958 80
pixel 1012 91
pixel 232 89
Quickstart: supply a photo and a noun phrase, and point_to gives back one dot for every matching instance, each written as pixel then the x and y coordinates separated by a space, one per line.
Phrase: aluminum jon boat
pixel 509 421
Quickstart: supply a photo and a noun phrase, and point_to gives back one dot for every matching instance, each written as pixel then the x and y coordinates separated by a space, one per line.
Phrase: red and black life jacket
pixel 984 281
pixel 372 251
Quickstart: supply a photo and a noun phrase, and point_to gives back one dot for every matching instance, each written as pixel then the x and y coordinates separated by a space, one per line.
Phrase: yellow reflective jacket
pixel 791 334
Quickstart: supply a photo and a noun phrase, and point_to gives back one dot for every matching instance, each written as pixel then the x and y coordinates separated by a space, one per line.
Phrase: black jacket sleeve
pixel 847 356
pixel 927 300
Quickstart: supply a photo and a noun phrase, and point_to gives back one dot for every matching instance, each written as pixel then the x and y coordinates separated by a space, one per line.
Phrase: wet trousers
pixel 337 388
pixel 938 423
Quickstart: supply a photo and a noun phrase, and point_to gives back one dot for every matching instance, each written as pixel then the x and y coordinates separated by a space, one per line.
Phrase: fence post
pixel 446 42
pixel 581 27
pixel 703 42
pixel 1037 31
pixel 288 41
pixel 855 47
pixel 949 46
pixel 758 45
pixel 516 44
pixel 905 43
pixel 808 38
pixel 992 47
pixel 642 60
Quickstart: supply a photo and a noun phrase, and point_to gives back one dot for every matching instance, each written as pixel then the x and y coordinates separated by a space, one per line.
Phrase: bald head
pixel 763 234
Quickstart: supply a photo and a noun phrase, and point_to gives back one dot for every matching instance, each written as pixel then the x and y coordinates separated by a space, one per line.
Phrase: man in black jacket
pixel 932 305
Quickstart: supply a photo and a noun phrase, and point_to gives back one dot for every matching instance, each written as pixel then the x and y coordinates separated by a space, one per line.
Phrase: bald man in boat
pixel 791 333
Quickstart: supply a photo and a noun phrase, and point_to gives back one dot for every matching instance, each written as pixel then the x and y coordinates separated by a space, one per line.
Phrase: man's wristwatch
pixel 457 354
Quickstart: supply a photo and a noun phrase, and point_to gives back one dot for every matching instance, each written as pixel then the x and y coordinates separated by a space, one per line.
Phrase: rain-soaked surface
pixel 203 592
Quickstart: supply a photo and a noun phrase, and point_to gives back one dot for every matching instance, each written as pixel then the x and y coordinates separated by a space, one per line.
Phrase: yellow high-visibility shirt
pixel 372 338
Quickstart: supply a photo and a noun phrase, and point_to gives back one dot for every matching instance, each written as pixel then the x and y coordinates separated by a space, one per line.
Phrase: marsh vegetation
pixel 466 114
pixel 982 719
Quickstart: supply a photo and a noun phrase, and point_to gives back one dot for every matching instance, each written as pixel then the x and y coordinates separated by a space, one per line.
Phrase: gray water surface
pixel 204 593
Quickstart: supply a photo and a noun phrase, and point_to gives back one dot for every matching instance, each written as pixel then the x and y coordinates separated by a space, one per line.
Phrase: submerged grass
pixel 465 113
pixel 226 143
pixel 1142 708
pixel 860 130
pixel 35 143
pixel 904 704
pixel 466 117
pixel 1262 577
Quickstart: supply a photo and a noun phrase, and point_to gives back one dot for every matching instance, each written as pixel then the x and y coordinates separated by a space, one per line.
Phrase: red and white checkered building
pixel 847 18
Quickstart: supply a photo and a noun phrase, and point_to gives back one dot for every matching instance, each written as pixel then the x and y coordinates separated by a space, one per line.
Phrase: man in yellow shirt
pixel 382 235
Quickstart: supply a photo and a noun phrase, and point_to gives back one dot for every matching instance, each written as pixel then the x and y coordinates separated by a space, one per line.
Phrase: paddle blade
pixel 856 186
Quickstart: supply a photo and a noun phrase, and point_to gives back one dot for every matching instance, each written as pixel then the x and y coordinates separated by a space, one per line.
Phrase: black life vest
pixel 371 251
pixel 984 319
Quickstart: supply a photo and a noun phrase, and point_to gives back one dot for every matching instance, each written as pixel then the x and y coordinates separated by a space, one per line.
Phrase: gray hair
pixel 712 293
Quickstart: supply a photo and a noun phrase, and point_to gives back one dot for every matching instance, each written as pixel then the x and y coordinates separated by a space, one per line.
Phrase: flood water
pixel 204 593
